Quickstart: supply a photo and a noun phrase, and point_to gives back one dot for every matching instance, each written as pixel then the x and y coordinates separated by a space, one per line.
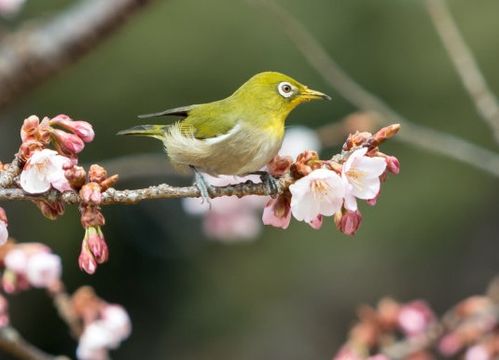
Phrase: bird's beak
pixel 309 94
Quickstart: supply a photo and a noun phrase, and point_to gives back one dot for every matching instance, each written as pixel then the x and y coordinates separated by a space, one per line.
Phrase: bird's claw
pixel 203 186
pixel 270 182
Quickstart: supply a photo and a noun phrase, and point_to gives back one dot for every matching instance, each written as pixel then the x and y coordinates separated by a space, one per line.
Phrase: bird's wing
pixel 179 111
pixel 207 124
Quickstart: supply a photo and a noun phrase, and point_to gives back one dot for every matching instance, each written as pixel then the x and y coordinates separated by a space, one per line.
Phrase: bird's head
pixel 273 91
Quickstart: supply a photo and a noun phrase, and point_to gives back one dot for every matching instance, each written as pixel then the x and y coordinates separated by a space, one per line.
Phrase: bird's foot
pixel 203 186
pixel 270 182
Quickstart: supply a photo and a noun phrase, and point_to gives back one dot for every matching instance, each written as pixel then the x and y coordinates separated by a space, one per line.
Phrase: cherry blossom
pixel 107 332
pixel 319 193
pixel 361 176
pixel 33 263
pixel 45 168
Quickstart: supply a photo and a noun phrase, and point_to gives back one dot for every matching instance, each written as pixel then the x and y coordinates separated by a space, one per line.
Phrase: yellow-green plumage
pixel 233 136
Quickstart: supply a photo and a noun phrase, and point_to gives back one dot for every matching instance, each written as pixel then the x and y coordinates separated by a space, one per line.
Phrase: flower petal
pixel 372 166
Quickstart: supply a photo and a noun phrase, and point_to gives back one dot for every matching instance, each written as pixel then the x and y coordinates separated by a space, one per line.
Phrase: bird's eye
pixel 285 89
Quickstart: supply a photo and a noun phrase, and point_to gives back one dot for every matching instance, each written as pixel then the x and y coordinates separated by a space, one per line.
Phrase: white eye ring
pixel 285 89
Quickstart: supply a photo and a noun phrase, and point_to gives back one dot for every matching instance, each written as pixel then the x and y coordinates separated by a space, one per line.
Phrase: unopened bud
pixel 76 176
pixel 97 244
pixel 80 128
pixel 86 259
pixel 392 164
pixel 348 222
pixel 97 173
pixel 386 133
pixel 70 144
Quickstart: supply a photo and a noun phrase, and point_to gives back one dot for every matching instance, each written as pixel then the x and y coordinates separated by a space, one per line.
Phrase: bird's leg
pixel 271 183
pixel 201 183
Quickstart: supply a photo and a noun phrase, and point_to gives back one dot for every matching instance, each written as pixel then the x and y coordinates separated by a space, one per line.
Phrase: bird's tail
pixel 155 131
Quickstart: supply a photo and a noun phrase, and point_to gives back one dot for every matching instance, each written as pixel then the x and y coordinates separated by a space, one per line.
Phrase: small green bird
pixel 237 135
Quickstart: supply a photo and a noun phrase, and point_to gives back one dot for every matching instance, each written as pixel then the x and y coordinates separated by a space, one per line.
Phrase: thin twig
pixel 466 66
pixel 419 135
pixel 12 343
pixel 32 55
pixel 64 306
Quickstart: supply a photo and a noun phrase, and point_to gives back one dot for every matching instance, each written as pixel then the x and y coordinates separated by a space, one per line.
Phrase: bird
pixel 237 135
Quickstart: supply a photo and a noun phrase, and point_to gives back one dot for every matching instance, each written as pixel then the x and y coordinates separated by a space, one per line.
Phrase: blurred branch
pixel 8 175
pixel 65 309
pixel 12 343
pixel 31 55
pixel 424 137
pixel 466 66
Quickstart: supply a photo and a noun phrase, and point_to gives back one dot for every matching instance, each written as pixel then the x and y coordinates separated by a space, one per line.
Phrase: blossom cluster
pixel 412 331
pixel 100 326
pixel 321 188
pixel 48 160
pixel 105 325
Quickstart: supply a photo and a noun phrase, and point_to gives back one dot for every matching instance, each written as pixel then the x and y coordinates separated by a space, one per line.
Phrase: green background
pixel 289 294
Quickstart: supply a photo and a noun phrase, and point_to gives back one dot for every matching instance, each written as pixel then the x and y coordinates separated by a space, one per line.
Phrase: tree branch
pixel 32 55
pixel 424 137
pixel 11 342
pixel 162 191
pixel 465 64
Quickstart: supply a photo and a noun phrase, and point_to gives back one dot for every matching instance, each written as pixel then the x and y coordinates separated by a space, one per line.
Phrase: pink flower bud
pixel 91 216
pixel 90 193
pixel 76 176
pixel 70 144
pixel 80 128
pixel 86 259
pixel 29 129
pixel 97 173
pixel 348 222
pixel 97 244
pixel 392 164
pixel 277 212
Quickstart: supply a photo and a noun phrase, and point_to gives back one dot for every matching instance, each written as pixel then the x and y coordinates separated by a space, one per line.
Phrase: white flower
pixel 299 139
pixel 361 176
pixel 116 319
pixel 95 341
pixel 4 233
pixel 43 169
pixel 103 334
pixel 16 260
pixel 43 269
pixel 319 193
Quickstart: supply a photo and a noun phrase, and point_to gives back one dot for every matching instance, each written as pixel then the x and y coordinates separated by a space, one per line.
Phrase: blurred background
pixel 287 294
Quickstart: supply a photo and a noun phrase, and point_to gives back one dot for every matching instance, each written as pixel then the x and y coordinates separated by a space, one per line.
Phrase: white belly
pixel 239 152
